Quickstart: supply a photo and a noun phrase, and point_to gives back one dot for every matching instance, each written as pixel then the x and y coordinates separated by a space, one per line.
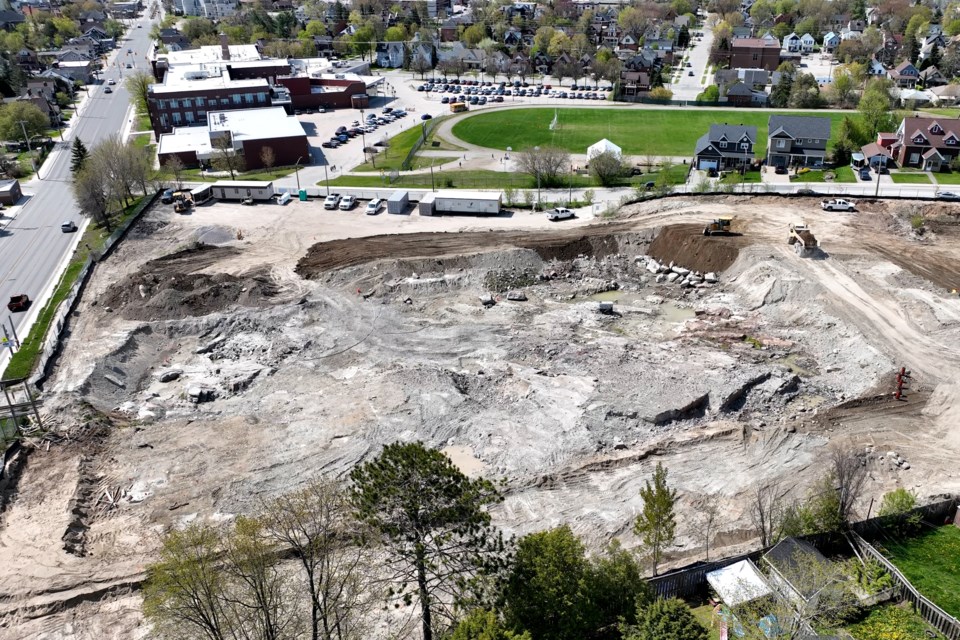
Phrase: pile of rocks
pixel 675 274
pixel 896 460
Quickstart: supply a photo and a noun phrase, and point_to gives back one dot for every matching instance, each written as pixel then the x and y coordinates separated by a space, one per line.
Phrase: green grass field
pixel 734 177
pixel 892 622
pixel 658 132
pixel 947 178
pixel 841 174
pixel 932 564
pixel 910 178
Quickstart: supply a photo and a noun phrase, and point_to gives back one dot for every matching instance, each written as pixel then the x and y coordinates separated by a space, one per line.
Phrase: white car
pixel 111 82
pixel 331 201
pixel 560 213
pixel 374 206
pixel 837 204
pixel 347 203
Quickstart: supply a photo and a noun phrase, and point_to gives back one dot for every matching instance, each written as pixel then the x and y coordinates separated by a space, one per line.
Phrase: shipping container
pixel 471 202
pixel 241 190
pixel 398 202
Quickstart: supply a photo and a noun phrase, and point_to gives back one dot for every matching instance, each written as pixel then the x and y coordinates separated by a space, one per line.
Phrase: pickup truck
pixel 837 204
pixel 19 303
pixel 331 201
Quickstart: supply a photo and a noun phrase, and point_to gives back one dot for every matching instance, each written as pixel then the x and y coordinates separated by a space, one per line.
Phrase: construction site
pixel 229 355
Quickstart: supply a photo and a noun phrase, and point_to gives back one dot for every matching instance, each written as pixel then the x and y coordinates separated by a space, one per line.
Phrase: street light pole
pixel 325 176
pixel 296 168
pixel 536 151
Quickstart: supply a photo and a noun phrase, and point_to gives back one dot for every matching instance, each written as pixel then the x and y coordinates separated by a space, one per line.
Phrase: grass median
pixel 25 359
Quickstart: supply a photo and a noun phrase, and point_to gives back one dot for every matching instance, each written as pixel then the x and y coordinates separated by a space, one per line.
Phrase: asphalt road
pixel 33 249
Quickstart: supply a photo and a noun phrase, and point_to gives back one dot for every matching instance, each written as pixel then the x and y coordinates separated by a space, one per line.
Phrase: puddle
pixel 673 313
pixel 791 361
pixel 610 296
pixel 464 459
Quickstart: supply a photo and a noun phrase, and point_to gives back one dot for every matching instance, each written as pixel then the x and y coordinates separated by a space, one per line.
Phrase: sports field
pixel 657 132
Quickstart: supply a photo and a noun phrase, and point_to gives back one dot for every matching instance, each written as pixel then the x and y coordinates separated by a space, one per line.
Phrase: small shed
pixel 398 201
pixel 738 583
pixel 10 193
pixel 603 146
pixel 798 570
pixel 427 203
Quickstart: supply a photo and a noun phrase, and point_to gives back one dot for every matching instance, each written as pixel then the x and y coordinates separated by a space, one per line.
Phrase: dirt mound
pixel 566 244
pixel 685 245
pixel 938 267
pixel 170 288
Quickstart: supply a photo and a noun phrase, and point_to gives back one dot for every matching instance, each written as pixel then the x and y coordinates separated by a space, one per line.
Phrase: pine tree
pixel 79 156
pixel 656 525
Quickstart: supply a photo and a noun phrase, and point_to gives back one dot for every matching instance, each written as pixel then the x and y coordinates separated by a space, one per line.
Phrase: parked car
pixel 167 196
pixel 373 206
pixel 331 201
pixel 108 90
pixel 560 213
pixel 780 171
pixel 68 226
pixel 111 82
pixel 347 203
pixel 426 116
pixel 19 302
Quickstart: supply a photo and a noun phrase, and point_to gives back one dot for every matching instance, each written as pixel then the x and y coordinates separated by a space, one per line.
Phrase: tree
pixel 175 166
pixel 709 511
pixel 805 92
pixel 710 94
pixel 19 116
pixel 91 195
pixel 633 22
pixel 420 64
pixel 780 94
pixel 317 524
pixel 607 168
pixel 656 525
pixel 661 93
pixel 766 512
pixel 473 34
pixel 849 139
pixel 225 158
pixel 898 506
pixel 78 156
pixel 432 520
pixel 480 624
pixel 848 475
pixel 842 89
pixel 363 41
pixel 138 85
pixel 666 620
pixel 544 164
pixel 268 157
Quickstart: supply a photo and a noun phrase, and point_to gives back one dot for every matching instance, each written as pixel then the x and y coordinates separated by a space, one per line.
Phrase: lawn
pixel 141 140
pixel 263 175
pixel 704 615
pixel 659 132
pixel 734 177
pixel 909 178
pixel 892 623
pixel 841 174
pixel 485 179
pixel 932 563
pixel 397 151
pixel 947 178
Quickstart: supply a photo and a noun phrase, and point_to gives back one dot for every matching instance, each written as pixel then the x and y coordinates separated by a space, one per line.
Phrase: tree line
pixel 409 532
pixel 107 178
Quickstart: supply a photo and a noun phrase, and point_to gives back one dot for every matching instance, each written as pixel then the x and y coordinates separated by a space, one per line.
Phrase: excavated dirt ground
pixel 198 380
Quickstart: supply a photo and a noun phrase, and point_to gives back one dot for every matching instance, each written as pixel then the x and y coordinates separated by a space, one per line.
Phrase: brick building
pixel 754 53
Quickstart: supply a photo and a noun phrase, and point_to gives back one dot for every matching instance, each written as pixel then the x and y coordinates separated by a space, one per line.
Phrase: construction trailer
pixel 398 202
pixel 202 194
pixel 455 201
pixel 242 190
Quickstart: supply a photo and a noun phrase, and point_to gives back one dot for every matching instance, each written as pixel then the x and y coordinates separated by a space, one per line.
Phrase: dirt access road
pixel 206 379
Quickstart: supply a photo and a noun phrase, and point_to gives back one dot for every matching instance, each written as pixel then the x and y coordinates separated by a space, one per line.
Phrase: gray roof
pixel 800 126
pixel 733 132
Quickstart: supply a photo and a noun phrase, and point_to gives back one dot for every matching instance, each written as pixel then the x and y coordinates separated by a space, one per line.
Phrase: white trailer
pixel 243 189
pixel 471 202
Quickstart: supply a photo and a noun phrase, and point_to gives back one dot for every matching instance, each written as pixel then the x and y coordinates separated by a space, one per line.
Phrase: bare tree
pixel 544 164
pixel 420 64
pixel 175 166
pixel 268 157
pixel 849 475
pixel 709 511
pixel 607 168
pixel 766 512
pixel 317 524
pixel 225 156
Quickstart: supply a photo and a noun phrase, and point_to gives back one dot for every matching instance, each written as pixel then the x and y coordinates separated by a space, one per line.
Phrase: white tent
pixel 602 147
pixel 738 583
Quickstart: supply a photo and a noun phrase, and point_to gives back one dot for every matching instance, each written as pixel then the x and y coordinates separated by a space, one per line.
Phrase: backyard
pixel 660 132
pixel 931 561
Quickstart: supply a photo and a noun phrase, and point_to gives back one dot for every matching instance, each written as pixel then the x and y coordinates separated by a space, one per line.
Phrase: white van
pixel 283 198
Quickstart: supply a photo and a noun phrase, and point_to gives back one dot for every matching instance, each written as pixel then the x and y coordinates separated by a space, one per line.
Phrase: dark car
pixel 649 185
pixel 167 196
pixel 343 137
pixel 426 116
pixel 19 303
pixel 327 145
pixel 445 100
pixel 780 171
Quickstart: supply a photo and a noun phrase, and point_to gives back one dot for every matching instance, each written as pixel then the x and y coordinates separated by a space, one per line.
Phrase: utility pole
pixel 23 126
pixel 296 168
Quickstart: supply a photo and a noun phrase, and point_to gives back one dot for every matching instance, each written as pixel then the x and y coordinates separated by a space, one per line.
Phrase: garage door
pixel 707 164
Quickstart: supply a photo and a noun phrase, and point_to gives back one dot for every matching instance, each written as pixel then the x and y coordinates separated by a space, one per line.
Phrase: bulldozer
pixel 802 239
pixel 720 226
pixel 182 201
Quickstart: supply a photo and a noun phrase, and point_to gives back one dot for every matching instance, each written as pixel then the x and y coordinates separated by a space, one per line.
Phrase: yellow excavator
pixel 182 201
pixel 720 226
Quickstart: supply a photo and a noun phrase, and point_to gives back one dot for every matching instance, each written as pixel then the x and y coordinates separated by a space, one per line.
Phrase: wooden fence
pixel 934 615
pixel 692 580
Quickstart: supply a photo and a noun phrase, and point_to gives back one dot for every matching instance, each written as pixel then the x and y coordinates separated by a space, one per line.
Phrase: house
pixel 875 68
pixel 634 83
pixel 739 94
pixel 754 53
pixel 875 155
pixel 10 192
pixel 831 41
pixel 796 141
pixel 9 20
pixel 948 94
pixel 27 60
pixel 725 146
pixel 421 51
pixel 792 43
pixel 324 46
pixel 390 55
pixel 628 42
pixel 172 39
pixel 928 143
pixel 931 77
pixel 512 37
pixel 807 43
pixel 905 75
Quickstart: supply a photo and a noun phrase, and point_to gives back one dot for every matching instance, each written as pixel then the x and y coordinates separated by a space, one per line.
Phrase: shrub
pixel 916 222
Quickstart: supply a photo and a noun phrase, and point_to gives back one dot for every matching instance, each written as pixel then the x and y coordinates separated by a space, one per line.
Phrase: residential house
pixel 935 39
pixel 875 68
pixel 173 40
pixel 324 46
pixel 725 147
pixel 928 143
pixel 947 95
pixel 104 40
pixel 889 51
pixel 642 61
pixel 741 32
pixel 9 20
pixel 512 37
pixel 931 77
pixel 421 51
pixel 875 155
pixel 753 53
pixel 792 43
pixel 628 42
pixel 807 43
pixel 739 94
pixel 850 34
pixel 831 41
pixel 448 31
pixel 797 141
pixel 634 83
pixel 873 15
pixel 27 60
pixel 905 75
pixel 46 103
pixel 390 55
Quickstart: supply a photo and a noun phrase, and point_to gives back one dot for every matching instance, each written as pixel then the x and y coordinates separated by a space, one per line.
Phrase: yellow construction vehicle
pixel 720 226
pixel 803 240
pixel 182 201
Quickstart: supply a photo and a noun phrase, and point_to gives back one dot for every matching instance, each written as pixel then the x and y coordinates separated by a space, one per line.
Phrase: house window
pixel 189 116
pixel 744 146
pixel 173 104
pixel 187 103
pixel 918 140
pixel 176 118
pixel 781 144
pixel 951 141
pixel 223 102
pixel 161 104
pixel 914 158
pixel 261 97
pixel 201 102
pixel 723 145
pixel 236 98
pixel 163 121
pixel 248 97
pixel 755 57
